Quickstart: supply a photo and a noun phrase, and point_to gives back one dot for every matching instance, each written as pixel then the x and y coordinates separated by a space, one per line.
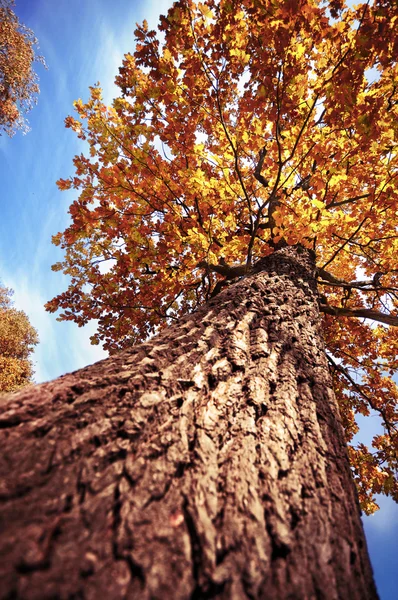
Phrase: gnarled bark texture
pixel 208 462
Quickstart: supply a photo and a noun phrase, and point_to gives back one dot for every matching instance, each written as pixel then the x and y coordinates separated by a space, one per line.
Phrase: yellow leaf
pixel 245 137
pixel 318 204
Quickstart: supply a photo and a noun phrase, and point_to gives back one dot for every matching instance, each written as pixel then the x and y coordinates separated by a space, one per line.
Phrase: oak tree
pixel 238 200
pixel 264 124
pixel 18 81
pixel 17 341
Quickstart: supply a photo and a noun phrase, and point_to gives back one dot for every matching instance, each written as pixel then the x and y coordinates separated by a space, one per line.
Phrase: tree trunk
pixel 208 462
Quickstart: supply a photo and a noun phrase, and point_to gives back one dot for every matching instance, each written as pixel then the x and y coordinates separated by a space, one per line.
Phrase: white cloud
pixel 113 45
pixel 152 9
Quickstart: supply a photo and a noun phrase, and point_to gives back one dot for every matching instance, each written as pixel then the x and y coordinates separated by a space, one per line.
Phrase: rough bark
pixel 208 462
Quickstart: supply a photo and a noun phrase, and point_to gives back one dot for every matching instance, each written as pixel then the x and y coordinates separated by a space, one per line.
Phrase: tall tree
pixel 18 81
pixel 17 340
pixel 263 124
pixel 254 150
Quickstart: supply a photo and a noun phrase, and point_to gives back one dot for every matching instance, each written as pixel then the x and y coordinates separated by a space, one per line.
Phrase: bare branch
pixel 365 313
pixel 259 166
pixel 389 426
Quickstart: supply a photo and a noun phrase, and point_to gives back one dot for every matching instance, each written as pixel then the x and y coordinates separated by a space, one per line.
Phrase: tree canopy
pixel 241 127
pixel 18 81
pixel 17 339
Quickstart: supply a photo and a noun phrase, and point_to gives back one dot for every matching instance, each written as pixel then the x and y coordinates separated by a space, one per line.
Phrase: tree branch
pixel 365 313
pixel 259 166
pixel 329 279
pixel 389 426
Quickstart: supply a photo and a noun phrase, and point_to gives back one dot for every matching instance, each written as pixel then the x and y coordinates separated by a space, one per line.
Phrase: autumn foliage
pixel 252 125
pixel 18 81
pixel 17 339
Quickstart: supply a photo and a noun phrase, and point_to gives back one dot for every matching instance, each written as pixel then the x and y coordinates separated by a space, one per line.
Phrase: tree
pixel 257 143
pixel 17 339
pixel 18 81
pixel 207 462
pixel 264 124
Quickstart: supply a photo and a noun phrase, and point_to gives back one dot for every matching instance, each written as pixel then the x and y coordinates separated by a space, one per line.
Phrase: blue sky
pixel 83 42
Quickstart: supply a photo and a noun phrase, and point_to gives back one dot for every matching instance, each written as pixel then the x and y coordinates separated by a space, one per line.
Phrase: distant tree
pixel 18 81
pixel 17 338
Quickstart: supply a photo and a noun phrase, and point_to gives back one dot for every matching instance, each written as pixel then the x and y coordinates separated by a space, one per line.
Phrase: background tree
pixel 17 339
pixel 265 124
pixel 18 81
